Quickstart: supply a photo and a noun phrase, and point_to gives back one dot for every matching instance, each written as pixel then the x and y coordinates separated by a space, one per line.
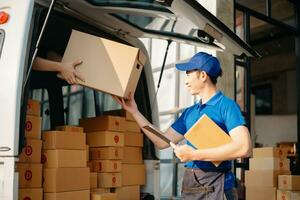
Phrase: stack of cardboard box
pixel 105 137
pixel 262 179
pixel 66 175
pixel 29 166
pixel 288 187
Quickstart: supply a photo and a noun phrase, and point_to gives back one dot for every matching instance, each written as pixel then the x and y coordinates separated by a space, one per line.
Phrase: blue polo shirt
pixel 226 114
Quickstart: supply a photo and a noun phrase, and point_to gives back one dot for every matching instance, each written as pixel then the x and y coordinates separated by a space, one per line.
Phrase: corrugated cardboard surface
pixel 72 195
pixel 109 180
pixel 87 152
pixel 103 196
pixel 30 193
pixel 64 158
pixel 132 155
pixel 267 178
pixel 107 66
pixel 123 113
pixel 107 165
pixel 105 153
pixel 33 127
pixel 66 179
pixel 93 180
pixel 33 107
pixel 269 152
pixel 100 190
pixel 288 195
pixel 64 140
pixel 134 139
pixel 105 139
pixel 70 128
pixel 128 192
pixel 289 182
pixel 260 193
pixel 103 123
pixel 30 175
pixel 133 174
pixel 270 163
pixel 31 152
pixel 132 126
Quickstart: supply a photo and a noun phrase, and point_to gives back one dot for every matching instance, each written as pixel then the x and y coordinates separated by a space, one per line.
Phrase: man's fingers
pixel 79 76
pixel 77 62
pixel 117 99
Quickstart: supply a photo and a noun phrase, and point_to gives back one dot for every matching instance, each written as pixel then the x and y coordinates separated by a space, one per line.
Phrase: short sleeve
pixel 233 116
pixel 180 125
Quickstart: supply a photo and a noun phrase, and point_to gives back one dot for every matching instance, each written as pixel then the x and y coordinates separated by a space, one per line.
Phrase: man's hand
pixel 68 72
pixel 127 104
pixel 184 152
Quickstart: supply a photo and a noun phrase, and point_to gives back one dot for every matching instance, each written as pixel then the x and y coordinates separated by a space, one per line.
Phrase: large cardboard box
pixel 33 127
pixel 269 152
pixel 121 112
pixel 132 126
pixel 289 182
pixel 70 128
pixel 31 152
pixel 100 190
pixel 288 195
pixel 260 193
pixel 66 179
pixel 33 107
pixel 30 175
pixel 64 140
pixel 103 196
pixel 132 155
pixel 128 192
pixel 107 165
pixel 134 139
pixel 64 158
pixel 103 123
pixel 30 193
pixel 93 180
pixel 71 195
pixel 270 163
pixel 133 174
pixel 106 153
pixel 107 66
pixel 109 180
pixel 105 139
pixel 268 178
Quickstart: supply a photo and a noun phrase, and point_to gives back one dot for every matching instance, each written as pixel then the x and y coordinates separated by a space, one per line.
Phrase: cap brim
pixel 185 66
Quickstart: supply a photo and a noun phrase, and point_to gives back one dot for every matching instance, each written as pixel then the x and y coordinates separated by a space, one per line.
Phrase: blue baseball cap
pixel 204 62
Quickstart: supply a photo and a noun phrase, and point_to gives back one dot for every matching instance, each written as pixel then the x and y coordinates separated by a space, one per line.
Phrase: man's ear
pixel 202 75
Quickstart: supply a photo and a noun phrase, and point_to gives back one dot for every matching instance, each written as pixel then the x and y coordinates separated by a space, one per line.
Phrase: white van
pixel 21 22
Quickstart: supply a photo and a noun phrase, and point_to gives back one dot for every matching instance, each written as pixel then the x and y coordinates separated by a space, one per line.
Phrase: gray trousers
pixel 200 185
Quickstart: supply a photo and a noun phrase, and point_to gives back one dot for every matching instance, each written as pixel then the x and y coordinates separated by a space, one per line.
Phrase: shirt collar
pixel 213 100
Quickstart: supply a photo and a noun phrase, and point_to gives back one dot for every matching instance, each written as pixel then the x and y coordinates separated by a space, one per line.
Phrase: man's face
pixel 194 81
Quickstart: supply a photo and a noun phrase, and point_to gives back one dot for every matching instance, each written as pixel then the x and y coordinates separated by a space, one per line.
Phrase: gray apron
pixel 200 185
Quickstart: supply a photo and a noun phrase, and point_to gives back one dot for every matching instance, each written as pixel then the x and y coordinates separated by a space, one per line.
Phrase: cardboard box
pixel 103 123
pixel 33 107
pixel 270 163
pixel 64 140
pixel 100 190
pixel 289 182
pixel 133 174
pixel 93 180
pixel 134 139
pixel 64 158
pixel 70 128
pixel 33 127
pixel 269 152
pixel 107 165
pixel 260 193
pixel 70 195
pixel 30 193
pixel 106 153
pixel 132 155
pixel 132 126
pixel 30 175
pixel 107 66
pixel 103 196
pixel 87 152
pixel 89 165
pixel 128 192
pixel 105 139
pixel 288 195
pixel 31 152
pixel 109 180
pixel 121 112
pixel 268 178
pixel 66 179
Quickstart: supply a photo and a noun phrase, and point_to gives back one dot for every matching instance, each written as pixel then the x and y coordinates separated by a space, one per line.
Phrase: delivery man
pixel 202 179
